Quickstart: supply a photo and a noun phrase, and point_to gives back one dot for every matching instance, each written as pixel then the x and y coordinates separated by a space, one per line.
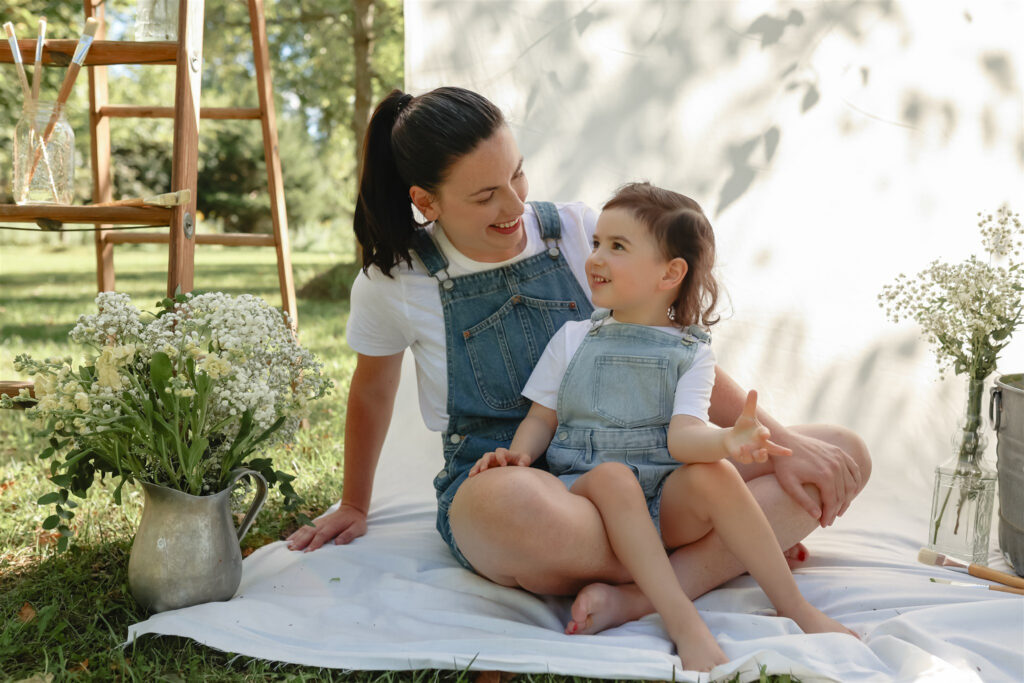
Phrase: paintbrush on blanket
pixel 930 557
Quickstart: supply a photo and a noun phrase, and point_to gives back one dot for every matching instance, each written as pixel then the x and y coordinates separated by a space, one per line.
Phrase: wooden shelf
pixel 123 215
pixel 102 52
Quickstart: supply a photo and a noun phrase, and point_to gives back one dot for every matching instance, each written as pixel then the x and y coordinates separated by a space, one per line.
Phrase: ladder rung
pixel 127 111
pixel 124 215
pixel 102 52
pixel 228 240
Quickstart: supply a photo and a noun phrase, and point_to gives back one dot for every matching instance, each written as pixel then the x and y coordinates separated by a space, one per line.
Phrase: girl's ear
pixel 425 202
pixel 675 273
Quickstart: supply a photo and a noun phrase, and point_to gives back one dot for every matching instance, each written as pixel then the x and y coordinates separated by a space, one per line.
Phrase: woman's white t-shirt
pixel 693 390
pixel 389 314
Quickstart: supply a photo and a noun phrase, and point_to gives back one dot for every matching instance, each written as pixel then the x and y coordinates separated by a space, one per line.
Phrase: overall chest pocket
pixel 632 391
pixel 504 347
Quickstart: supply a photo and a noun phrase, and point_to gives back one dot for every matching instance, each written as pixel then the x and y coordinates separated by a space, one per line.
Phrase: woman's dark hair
pixel 681 230
pixel 412 141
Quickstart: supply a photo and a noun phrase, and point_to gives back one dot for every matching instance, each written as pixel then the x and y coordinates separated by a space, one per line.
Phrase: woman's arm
pixel 371 400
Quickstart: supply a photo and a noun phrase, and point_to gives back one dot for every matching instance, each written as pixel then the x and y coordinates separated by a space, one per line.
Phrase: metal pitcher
pixel 186 549
pixel 1006 410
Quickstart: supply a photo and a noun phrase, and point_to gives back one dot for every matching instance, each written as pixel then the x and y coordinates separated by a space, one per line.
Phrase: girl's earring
pixel 671 313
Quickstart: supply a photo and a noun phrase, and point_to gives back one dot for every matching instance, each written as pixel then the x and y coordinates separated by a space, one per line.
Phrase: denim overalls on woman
pixel 615 403
pixel 497 322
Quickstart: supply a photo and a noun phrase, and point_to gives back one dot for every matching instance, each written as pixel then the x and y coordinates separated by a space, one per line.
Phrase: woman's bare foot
pixel 810 619
pixel 600 606
pixel 796 555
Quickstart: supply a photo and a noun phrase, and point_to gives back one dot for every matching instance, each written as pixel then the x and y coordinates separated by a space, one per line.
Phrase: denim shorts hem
pixel 444 528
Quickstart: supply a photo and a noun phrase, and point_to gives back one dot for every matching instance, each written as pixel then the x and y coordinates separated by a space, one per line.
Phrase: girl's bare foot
pixel 812 620
pixel 796 555
pixel 600 606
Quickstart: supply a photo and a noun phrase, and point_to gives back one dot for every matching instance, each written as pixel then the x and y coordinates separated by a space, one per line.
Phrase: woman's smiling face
pixel 480 203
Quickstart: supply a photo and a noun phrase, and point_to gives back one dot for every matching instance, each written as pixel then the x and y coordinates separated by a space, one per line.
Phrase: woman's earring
pixel 671 313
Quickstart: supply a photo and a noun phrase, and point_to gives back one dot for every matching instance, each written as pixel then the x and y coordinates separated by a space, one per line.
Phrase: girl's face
pixel 628 273
pixel 481 202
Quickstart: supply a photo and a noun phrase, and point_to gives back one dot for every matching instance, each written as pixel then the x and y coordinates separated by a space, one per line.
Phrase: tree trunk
pixel 362 44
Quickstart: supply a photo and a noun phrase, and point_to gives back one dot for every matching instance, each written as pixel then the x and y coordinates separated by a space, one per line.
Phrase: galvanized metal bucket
pixel 1006 410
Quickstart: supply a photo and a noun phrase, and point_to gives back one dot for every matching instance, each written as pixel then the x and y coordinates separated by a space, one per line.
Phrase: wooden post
pixel 272 156
pixel 185 164
pixel 99 145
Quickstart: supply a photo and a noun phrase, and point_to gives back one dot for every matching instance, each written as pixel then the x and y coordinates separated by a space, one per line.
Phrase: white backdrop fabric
pixel 395 599
pixel 834 145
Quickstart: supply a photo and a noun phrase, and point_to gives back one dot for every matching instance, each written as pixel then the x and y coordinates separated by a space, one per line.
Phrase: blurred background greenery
pixel 326 75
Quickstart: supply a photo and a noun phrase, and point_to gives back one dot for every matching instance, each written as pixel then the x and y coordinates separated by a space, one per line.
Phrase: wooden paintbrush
pixel 168 199
pixel 1001 589
pixel 930 557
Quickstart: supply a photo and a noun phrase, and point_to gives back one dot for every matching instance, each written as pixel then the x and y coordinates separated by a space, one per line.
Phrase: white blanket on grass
pixel 396 600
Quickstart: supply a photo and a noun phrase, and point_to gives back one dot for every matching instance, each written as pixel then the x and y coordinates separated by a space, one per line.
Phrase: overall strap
pixel 550 223
pixel 430 256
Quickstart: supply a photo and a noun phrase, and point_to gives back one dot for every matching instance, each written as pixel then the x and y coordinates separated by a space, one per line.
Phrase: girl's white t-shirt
pixel 390 314
pixel 693 390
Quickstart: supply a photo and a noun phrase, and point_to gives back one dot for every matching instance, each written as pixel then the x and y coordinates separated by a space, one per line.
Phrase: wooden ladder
pixel 186 53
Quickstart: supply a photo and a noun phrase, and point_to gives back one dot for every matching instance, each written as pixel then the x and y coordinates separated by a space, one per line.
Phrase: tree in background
pixel 330 60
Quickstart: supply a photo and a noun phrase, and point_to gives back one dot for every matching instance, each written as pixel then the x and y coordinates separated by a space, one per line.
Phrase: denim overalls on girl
pixel 497 323
pixel 615 403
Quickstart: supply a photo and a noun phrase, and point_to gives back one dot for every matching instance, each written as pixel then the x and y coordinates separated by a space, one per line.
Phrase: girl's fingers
pixel 750 408
pixel 500 455
pixel 775 449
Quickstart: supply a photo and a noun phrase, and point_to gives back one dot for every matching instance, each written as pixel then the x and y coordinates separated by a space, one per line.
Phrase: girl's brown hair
pixel 681 230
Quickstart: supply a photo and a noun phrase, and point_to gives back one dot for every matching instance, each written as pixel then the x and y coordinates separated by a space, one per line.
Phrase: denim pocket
pixel 504 348
pixel 563 460
pixel 630 391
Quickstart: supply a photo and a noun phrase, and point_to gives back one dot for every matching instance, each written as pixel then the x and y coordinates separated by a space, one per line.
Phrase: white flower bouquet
pixel 180 400
pixel 967 311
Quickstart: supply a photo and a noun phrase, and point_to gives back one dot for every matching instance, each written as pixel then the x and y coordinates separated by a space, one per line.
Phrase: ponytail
pixel 412 141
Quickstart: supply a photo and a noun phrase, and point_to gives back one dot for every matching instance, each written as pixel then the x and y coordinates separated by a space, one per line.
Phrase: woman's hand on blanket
pixel 502 457
pixel 750 441
pixel 828 468
pixel 344 525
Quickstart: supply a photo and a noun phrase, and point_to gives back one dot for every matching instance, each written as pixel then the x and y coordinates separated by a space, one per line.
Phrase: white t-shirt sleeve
pixel 693 390
pixel 546 378
pixel 377 323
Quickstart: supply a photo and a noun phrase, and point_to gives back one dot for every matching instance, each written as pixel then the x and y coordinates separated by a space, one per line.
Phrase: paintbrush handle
pixel 989 574
pixel 1007 589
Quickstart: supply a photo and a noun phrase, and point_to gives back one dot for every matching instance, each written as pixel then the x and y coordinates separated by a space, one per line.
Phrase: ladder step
pixel 102 52
pixel 127 111
pixel 124 215
pixel 228 240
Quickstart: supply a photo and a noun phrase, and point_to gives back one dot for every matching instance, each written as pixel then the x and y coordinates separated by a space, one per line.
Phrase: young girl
pixel 619 401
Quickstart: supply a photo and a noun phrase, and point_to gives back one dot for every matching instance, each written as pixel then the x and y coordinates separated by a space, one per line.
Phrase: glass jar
pixel 156 20
pixel 43 174
pixel 964 493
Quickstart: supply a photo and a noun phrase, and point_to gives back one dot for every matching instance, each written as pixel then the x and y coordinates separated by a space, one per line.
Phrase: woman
pixel 476 295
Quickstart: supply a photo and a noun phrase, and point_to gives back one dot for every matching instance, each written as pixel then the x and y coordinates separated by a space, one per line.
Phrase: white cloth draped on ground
pixel 395 599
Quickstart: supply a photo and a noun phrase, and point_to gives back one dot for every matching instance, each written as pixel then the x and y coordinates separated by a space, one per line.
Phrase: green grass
pixel 64 616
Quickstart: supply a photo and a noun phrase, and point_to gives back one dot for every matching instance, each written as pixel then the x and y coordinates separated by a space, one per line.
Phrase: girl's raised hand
pixel 501 457
pixel 750 441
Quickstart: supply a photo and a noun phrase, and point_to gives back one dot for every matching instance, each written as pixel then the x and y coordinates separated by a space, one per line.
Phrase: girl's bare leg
pixel 712 495
pixel 615 492
pixel 706 564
